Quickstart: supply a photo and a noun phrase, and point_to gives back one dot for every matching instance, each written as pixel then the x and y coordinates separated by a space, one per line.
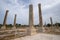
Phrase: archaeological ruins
pixel 31 30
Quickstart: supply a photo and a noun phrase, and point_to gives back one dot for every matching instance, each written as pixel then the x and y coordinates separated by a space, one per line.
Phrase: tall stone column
pixel 31 16
pixel 40 17
pixel 5 19
pixel 51 21
pixel 14 26
pixel 31 30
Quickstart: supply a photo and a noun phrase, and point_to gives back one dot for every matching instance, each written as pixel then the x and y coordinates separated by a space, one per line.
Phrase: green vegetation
pixel 19 25
pixel 0 25
pixel 56 24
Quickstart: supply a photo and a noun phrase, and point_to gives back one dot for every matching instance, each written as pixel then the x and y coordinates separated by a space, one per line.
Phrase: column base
pixel 40 29
pixel 14 27
pixel 31 31
pixel 3 27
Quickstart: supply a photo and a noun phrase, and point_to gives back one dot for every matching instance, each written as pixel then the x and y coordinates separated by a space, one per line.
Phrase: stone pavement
pixel 40 36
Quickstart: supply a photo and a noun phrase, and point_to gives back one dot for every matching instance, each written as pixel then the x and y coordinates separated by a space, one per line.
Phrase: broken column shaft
pixel 31 15
pixel 40 16
pixel 51 21
pixel 31 30
pixel 5 19
pixel 40 19
pixel 14 25
pixel 15 20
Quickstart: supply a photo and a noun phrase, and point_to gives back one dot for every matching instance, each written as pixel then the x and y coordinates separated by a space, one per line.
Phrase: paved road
pixel 40 36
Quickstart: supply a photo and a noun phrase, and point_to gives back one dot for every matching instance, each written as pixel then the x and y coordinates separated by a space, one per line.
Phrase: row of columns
pixel 31 21
pixel 30 17
pixel 5 19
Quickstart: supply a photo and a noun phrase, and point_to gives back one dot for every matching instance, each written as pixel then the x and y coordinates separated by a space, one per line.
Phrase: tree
pixel 48 25
pixel 0 25
pixel 57 24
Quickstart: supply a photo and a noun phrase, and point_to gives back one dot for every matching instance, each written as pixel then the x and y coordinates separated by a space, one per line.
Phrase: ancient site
pixel 41 31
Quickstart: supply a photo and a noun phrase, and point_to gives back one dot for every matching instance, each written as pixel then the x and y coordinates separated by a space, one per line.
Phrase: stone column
pixel 5 19
pixel 40 17
pixel 45 24
pixel 31 16
pixel 51 28
pixel 51 21
pixel 31 30
pixel 14 26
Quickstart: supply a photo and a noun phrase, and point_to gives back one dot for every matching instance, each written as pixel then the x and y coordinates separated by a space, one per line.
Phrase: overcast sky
pixel 50 8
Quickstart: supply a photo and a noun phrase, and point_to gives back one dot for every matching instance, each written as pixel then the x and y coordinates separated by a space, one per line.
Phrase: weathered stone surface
pixel 51 21
pixel 40 19
pixel 31 25
pixel 3 27
pixel 31 31
pixel 40 16
pixel 14 26
pixel 5 19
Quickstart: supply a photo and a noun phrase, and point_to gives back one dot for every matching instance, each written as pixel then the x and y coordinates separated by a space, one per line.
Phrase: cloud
pixel 53 12
pixel 47 7
pixel 21 8
pixel 14 8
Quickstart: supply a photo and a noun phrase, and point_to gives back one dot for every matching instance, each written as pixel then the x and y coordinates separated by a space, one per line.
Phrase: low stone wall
pixel 51 29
